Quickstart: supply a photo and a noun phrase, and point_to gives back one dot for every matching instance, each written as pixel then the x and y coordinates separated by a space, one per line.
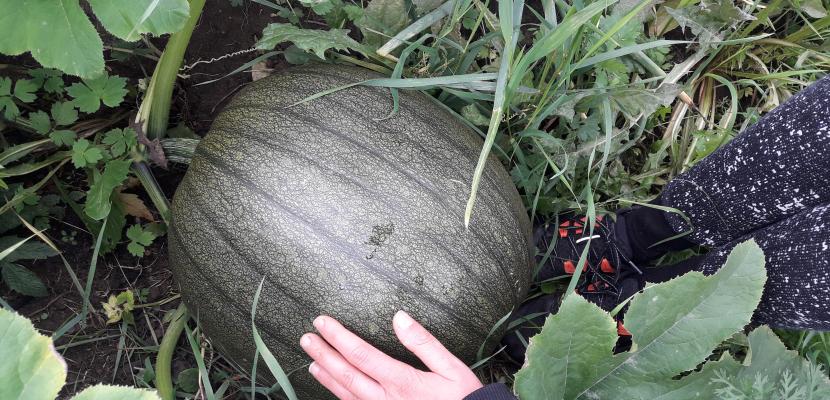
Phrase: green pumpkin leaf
pixel 63 137
pixel 556 347
pixel 40 122
pixel 34 374
pixel 33 370
pixel 60 35
pixel 381 20
pixel 675 326
pixel 107 89
pixel 316 41
pixel 128 19
pixel 98 203
pixel 64 113
pixel 22 280
pixel 120 140
pixel 83 154
pixel 109 392
pixel 56 32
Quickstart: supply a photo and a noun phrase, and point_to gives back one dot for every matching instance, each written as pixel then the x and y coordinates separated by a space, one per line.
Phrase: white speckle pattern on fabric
pixel 774 169
pixel 797 293
pixel 772 184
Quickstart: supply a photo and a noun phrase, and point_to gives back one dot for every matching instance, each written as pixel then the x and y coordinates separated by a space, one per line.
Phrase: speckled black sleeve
pixel 777 168
pixel 495 391
pixel 797 250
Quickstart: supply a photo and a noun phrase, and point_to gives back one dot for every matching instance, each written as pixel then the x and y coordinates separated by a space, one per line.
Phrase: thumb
pixel 426 347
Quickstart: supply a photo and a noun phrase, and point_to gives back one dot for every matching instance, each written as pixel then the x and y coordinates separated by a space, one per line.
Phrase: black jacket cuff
pixel 494 391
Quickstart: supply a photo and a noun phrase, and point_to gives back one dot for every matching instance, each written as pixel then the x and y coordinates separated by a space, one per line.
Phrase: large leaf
pixel 30 367
pixel 60 35
pixel 675 326
pixel 128 19
pixel 56 32
pixel 381 20
pixel 314 40
pixel 593 340
pixel 32 370
pixel 107 392
pixel 772 372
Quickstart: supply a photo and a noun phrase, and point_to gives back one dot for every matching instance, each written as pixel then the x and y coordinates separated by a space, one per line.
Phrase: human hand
pixel 355 370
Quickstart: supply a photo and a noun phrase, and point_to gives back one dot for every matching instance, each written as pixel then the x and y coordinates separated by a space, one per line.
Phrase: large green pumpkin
pixel 344 213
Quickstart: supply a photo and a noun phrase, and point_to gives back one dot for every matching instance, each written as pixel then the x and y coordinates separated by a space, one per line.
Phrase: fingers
pixel 426 347
pixel 357 352
pixel 342 372
pixel 328 381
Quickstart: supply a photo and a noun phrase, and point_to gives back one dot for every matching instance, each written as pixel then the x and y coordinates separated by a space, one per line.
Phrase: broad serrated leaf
pixel 109 392
pixel 40 122
pixel 316 41
pixel 120 140
pixel 22 280
pixel 84 154
pixel 64 113
pixel 98 202
pixel 320 7
pixel 771 372
pixel 675 326
pixel 128 19
pixel 51 80
pixel 559 360
pixel 34 374
pixel 139 238
pixel 24 90
pixel 708 21
pixel 381 20
pixel 10 110
pixel 107 89
pixel 63 137
pixel 57 33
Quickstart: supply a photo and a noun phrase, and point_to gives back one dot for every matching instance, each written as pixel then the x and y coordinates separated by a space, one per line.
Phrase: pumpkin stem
pixel 164 376
pixel 155 109
pixel 148 181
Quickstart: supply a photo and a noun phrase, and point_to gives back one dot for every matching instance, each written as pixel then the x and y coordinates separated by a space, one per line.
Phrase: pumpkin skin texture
pixel 347 214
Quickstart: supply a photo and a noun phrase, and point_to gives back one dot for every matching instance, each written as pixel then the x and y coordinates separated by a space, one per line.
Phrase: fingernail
pixel 313 369
pixel 319 322
pixel 305 341
pixel 402 320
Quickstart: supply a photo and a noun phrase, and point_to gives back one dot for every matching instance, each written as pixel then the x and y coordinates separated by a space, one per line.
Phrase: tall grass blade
pixel 507 13
pixel 200 363
pixel 267 356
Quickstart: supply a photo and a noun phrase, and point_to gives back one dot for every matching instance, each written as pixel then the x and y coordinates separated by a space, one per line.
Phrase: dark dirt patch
pixel 91 348
pixel 222 30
